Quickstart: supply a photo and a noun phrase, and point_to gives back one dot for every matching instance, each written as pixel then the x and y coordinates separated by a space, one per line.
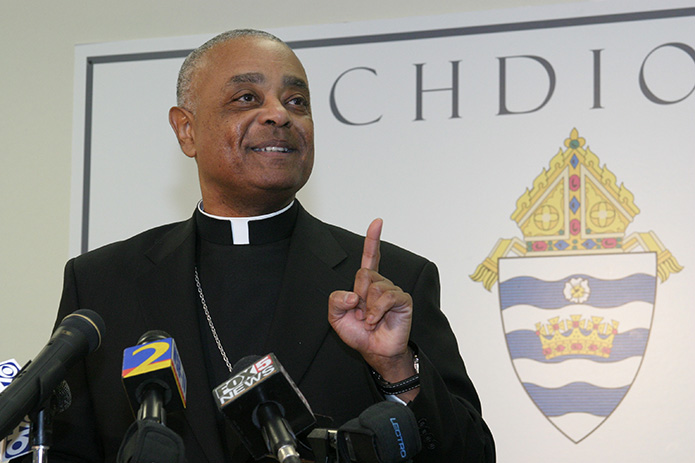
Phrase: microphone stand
pixel 279 439
pixel 41 427
pixel 41 432
pixel 151 407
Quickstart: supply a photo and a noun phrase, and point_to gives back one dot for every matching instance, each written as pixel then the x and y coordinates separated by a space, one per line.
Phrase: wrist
pixel 401 378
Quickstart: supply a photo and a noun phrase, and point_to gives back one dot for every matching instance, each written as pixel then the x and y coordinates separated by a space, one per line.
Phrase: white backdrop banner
pixel 536 155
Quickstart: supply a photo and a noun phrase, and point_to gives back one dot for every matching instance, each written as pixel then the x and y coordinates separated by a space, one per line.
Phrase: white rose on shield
pixel 577 290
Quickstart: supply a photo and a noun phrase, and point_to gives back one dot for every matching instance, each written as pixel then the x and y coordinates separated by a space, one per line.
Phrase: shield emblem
pixel 577 301
pixel 576 329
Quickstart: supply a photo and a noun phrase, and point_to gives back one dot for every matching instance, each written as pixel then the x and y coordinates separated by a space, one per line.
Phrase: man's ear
pixel 181 121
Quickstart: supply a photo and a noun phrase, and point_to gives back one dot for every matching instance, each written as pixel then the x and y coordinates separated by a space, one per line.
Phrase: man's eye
pixel 299 101
pixel 247 98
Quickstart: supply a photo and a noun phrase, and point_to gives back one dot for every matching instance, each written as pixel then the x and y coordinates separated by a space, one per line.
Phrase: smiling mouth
pixel 272 149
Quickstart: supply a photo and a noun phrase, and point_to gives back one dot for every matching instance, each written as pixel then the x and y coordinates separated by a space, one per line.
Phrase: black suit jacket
pixel 147 282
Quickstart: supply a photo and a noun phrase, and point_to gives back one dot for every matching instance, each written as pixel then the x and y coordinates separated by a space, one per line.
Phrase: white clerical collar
pixel 240 225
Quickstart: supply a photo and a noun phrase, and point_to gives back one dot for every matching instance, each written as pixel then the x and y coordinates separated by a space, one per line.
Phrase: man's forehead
pixel 245 53
pixel 260 78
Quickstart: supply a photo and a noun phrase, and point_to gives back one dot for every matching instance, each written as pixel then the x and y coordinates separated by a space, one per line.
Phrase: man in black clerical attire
pixel 252 272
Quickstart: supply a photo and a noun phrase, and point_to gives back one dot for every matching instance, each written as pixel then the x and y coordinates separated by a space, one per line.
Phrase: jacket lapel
pixel 300 323
pixel 168 295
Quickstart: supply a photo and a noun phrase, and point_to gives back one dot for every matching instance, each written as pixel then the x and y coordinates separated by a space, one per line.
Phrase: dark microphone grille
pixel 61 399
pixel 153 335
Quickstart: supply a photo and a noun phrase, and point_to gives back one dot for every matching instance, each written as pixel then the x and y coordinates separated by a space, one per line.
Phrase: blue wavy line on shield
pixel 526 344
pixel 604 293
pixel 576 398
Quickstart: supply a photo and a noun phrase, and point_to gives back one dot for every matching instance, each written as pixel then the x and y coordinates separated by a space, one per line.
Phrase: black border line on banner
pixel 344 41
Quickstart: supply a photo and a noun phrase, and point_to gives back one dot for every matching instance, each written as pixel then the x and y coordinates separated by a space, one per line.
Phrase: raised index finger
pixel 372 242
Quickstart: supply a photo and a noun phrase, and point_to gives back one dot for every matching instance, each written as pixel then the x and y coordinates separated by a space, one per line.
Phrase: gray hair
pixel 193 60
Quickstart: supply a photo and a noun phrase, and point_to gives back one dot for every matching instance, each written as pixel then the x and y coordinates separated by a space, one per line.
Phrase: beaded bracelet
pixel 400 387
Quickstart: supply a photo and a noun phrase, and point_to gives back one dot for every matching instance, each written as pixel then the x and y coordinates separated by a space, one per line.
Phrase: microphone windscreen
pixel 386 432
pixel 243 363
pixel 86 322
pixel 152 336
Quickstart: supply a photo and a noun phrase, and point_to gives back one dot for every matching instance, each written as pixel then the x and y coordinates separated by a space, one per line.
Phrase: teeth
pixel 272 149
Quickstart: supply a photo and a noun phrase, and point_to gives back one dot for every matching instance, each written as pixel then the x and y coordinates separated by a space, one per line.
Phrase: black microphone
pixel 265 407
pixel 386 432
pixel 153 376
pixel 35 433
pixel 77 335
pixel 155 383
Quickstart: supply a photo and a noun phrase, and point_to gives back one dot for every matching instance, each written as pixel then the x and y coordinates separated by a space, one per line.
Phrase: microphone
pixel 261 396
pixel 36 434
pixel 386 432
pixel 154 381
pixel 77 335
pixel 153 376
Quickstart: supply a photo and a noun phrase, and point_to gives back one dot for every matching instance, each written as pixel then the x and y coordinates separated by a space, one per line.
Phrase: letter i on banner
pixel 15 444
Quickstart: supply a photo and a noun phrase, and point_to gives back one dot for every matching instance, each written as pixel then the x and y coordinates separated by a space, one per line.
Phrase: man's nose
pixel 274 112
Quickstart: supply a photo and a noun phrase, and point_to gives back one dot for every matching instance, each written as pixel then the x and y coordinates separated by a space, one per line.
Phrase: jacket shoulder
pixel 135 247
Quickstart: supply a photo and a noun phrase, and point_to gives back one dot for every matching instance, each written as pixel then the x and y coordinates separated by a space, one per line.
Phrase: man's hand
pixel 375 317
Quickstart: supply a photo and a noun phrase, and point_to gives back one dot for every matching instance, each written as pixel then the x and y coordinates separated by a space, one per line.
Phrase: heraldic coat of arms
pixel 576 294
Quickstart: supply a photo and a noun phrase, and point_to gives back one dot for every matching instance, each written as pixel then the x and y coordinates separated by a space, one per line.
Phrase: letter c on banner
pixel 334 106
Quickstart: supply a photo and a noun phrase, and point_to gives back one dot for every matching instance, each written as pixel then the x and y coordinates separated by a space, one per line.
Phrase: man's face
pixel 250 127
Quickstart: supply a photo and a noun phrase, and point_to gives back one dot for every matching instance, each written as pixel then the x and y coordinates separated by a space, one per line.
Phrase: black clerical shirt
pixel 241 284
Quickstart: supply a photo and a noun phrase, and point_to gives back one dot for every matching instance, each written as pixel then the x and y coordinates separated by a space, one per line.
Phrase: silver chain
pixel 212 326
